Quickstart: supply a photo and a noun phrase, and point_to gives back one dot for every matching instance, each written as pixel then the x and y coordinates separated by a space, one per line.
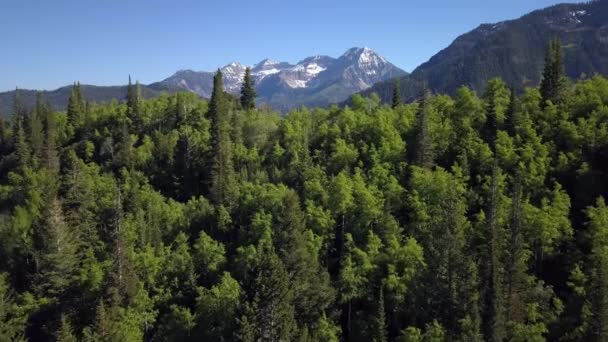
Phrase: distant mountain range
pixel 514 50
pixel 314 81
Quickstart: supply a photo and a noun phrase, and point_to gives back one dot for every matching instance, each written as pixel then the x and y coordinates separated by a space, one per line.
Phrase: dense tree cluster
pixel 462 218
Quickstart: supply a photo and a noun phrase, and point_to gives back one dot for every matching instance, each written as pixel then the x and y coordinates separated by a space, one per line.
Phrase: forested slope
pixel 461 218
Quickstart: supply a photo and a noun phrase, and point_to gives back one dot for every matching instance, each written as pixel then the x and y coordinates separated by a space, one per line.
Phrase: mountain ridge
pixel 513 50
pixel 313 81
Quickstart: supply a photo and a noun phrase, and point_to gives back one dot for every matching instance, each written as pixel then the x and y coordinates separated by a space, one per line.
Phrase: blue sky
pixel 51 43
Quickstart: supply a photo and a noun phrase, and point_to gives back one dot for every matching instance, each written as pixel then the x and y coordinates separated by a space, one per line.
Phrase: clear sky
pixel 50 43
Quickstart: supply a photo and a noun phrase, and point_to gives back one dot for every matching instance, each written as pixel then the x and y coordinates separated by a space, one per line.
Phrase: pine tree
pixel 248 93
pixel 396 99
pixel 35 134
pixel 12 324
pixel 4 137
pixel 184 172
pixel 19 113
pixel 75 110
pixel 497 99
pixel 379 332
pixel 310 283
pixel 180 110
pixel 133 106
pixel 515 274
pixel 21 146
pixel 597 290
pixel 103 328
pixel 123 279
pixel 424 143
pixel 51 155
pixel 273 300
pixel 60 260
pixel 124 148
pixel 493 310
pixel 510 117
pixel 553 82
pixel 65 333
pixel 79 202
pixel 223 187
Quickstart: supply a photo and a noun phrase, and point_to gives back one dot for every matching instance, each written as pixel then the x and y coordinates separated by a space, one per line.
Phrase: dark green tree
pixel 51 154
pixel 35 128
pixel 496 98
pixel 492 287
pixel 379 332
pixel 134 106
pixel 223 187
pixel 424 142
pixel 76 107
pixel 248 93
pixel 396 99
pixel 273 299
pixel 553 82
pixel 598 268
pixel 308 280
pixel 60 261
pixel 65 333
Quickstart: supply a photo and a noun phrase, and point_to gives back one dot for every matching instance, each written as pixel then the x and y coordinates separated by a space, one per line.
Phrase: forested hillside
pixel 513 50
pixel 465 218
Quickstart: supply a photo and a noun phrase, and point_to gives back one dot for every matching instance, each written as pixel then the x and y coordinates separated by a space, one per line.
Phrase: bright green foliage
pixel 176 218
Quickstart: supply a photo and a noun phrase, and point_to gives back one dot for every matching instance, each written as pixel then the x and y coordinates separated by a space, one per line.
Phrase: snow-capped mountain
pixel 317 80
pixel 313 81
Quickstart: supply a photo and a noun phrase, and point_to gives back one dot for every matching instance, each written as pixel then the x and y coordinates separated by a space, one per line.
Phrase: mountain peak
pixel 233 66
pixel 363 56
pixel 266 62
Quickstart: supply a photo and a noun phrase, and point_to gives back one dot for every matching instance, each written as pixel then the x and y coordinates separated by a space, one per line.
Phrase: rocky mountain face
pixel 314 81
pixel 514 50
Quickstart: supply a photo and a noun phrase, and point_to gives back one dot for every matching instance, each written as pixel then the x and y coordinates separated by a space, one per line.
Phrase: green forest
pixel 472 217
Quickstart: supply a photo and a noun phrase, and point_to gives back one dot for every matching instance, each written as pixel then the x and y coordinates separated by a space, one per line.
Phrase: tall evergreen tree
pixel 424 142
pixel 133 106
pixel 123 279
pixel 65 333
pixel 21 146
pixel 515 274
pixel 396 99
pixel 597 290
pixel 124 148
pixel 493 310
pixel 51 155
pixel 59 262
pixel 497 99
pixel 75 110
pixel 379 332
pixel 553 82
pixel 308 281
pixel 4 137
pixel 248 93
pixel 273 299
pixel 35 128
pixel 223 188
pixel 12 324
